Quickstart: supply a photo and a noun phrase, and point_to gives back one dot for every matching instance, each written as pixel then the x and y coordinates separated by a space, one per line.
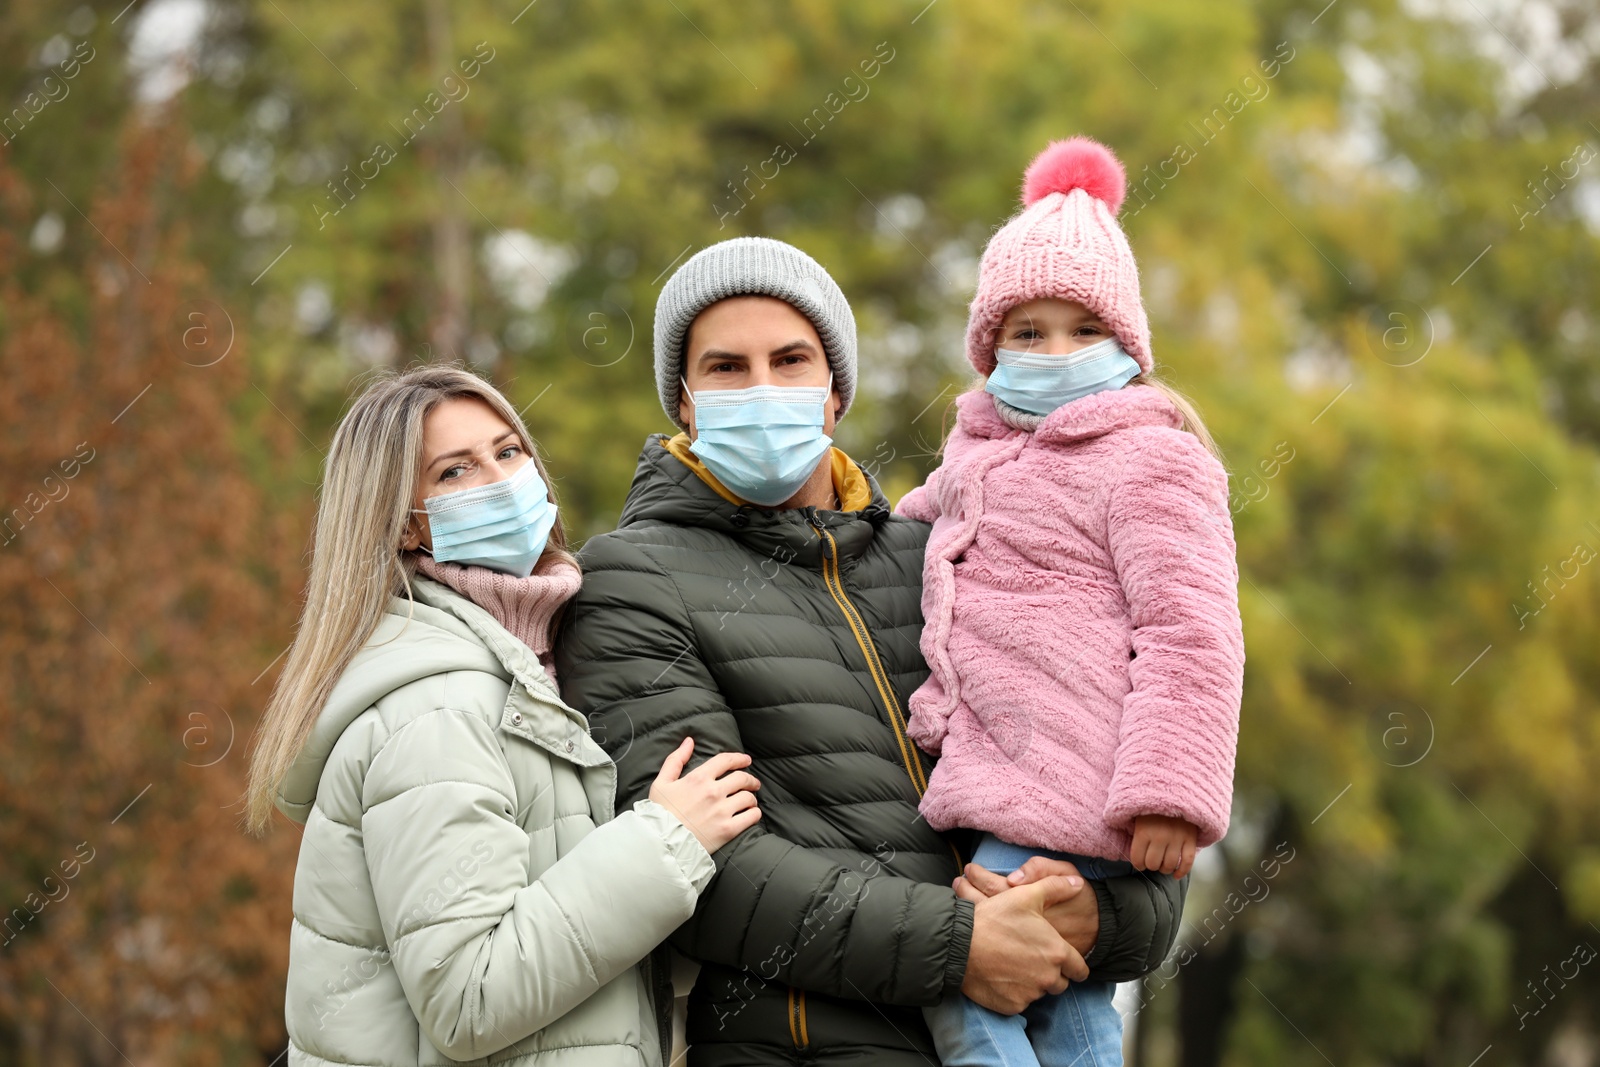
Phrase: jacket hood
pixel 668 491
pixel 441 632
pixel 1090 416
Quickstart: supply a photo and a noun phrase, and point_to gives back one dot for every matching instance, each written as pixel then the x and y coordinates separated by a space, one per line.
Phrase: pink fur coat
pixel 1081 615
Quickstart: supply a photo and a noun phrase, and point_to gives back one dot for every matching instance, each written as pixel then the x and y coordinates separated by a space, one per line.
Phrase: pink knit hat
pixel 1065 243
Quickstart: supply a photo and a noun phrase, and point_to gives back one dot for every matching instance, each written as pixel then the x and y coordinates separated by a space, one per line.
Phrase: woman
pixel 463 890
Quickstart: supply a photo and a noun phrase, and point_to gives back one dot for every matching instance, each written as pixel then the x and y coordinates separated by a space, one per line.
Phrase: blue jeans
pixel 1078 1028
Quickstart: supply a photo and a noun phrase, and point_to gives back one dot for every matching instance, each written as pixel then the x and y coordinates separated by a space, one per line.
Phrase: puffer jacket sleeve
pixel 1171 541
pixel 1140 914
pixel 627 657
pixel 486 953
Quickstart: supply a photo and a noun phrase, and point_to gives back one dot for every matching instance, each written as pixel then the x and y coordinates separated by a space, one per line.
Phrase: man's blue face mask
pixel 1039 383
pixel 762 442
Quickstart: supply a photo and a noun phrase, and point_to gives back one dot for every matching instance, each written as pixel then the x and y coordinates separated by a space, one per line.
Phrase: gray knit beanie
pixel 753 266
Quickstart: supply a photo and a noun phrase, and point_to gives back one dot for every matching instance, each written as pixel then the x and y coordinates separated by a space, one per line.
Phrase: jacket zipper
pixel 880 677
pixel 858 626
pixel 797 1017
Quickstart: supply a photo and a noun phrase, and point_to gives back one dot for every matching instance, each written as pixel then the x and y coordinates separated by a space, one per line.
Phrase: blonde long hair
pixel 357 564
pixel 1186 408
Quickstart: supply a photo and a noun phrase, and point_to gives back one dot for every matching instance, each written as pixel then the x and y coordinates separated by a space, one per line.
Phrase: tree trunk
pixel 452 241
pixel 1207 1001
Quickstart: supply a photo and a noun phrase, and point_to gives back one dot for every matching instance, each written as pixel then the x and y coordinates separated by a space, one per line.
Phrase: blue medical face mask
pixel 1039 383
pixel 762 442
pixel 502 526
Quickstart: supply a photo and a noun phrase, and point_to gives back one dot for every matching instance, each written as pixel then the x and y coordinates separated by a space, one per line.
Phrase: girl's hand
pixel 1163 843
pixel 716 800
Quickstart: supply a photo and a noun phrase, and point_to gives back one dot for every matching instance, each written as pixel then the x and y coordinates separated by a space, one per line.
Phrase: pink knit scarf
pixel 524 606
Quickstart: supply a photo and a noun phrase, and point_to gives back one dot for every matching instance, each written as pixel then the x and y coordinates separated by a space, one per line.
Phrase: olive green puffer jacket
pixel 792 635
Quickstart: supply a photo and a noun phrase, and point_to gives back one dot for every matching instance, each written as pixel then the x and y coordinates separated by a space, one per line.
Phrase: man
pixel 760 596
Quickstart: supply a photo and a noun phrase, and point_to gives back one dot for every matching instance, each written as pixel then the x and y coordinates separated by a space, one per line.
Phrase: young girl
pixel 1080 592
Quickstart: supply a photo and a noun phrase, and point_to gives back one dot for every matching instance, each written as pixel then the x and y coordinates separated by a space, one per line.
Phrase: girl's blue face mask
pixel 762 442
pixel 503 525
pixel 1038 383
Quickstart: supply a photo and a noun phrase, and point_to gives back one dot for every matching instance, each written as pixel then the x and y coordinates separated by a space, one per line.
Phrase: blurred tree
pixel 1367 234
pixel 143 575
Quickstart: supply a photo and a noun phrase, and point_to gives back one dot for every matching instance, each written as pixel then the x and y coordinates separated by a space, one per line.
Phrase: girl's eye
pixel 1091 329
pixel 1027 333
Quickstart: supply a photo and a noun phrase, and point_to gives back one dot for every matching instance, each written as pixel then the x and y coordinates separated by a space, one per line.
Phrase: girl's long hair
pixel 1186 408
pixel 357 564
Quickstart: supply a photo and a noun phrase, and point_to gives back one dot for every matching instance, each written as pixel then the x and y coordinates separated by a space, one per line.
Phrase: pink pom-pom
pixel 1076 163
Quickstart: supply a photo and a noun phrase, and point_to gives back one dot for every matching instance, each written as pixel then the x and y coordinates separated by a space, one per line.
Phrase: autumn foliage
pixel 139 568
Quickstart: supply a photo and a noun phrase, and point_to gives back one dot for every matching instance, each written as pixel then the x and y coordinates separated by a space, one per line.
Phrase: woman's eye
pixel 510 450
pixel 451 473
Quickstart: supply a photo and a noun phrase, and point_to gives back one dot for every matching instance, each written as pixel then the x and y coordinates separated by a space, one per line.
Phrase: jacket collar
pixel 534 709
pixel 515 657
pixel 1091 416
pixel 849 481
pixel 441 632
pixel 668 490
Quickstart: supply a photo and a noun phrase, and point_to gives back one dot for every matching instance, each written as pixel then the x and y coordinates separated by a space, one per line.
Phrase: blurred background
pixel 1369 234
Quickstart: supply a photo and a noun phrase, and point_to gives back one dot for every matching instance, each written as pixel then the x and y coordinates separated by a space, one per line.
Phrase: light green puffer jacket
pixel 463 893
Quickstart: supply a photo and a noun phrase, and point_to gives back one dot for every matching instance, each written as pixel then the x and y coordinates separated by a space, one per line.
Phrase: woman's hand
pixel 1076 919
pixel 716 800
pixel 1163 843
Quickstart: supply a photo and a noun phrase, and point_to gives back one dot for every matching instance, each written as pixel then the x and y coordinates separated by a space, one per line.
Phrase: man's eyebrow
pixel 714 355
pixel 466 451
pixel 717 355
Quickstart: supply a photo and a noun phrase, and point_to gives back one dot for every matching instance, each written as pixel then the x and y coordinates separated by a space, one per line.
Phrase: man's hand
pixel 1016 955
pixel 1077 919
pixel 1163 843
